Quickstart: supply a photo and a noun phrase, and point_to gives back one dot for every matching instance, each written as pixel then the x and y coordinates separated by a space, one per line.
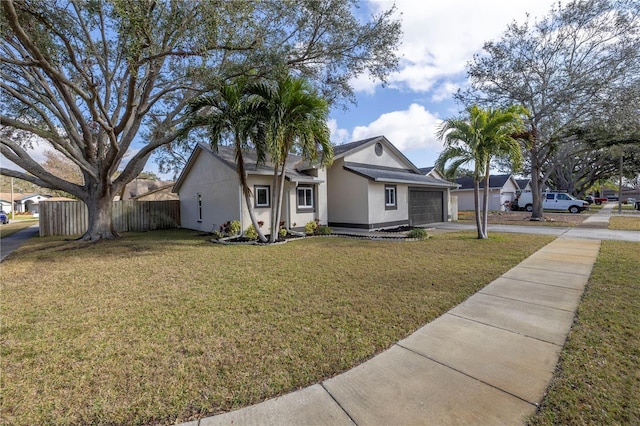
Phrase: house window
pixel 262 195
pixel 199 207
pixel 305 197
pixel 390 200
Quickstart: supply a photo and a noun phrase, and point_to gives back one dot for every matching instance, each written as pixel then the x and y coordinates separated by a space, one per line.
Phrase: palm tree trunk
pixel 274 203
pixel 276 224
pixel 485 205
pixel 476 200
pixel 242 174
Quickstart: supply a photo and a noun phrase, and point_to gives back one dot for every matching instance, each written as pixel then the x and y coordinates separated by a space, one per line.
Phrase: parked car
pixel 551 201
pixel 595 200
pixel 4 218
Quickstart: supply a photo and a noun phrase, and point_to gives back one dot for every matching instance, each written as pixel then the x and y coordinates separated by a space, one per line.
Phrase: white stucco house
pixel 502 189
pixel 210 193
pixel 372 185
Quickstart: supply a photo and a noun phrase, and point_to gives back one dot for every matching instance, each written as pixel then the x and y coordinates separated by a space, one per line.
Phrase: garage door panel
pixel 425 206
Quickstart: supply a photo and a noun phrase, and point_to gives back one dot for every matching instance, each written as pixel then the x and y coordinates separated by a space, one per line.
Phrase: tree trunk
pixel 99 205
pixel 277 204
pixel 476 200
pixel 536 183
pixel 485 204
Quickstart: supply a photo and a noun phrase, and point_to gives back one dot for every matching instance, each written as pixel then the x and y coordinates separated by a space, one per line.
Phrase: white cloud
pixel 439 38
pixel 413 128
pixel 338 136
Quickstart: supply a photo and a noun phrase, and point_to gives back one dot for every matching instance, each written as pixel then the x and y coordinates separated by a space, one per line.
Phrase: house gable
pixel 377 151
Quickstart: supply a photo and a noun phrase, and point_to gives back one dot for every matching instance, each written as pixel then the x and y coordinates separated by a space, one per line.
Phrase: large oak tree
pixel 106 82
pixel 573 67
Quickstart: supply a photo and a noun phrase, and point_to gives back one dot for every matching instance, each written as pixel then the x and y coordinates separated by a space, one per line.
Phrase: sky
pixel 439 38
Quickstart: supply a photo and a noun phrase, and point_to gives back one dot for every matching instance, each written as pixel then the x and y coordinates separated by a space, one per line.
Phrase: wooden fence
pixel 71 217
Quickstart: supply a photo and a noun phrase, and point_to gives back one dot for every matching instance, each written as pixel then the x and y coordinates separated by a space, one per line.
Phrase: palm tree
pixel 227 115
pixel 478 139
pixel 293 117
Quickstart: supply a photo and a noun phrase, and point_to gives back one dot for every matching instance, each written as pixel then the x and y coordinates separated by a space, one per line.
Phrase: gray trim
pixel 255 196
pixel 394 206
pixel 314 191
pixel 368 225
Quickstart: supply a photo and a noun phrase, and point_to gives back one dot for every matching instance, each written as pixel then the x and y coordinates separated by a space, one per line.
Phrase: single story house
pixel 210 192
pixel 5 202
pixel 28 203
pixel 372 185
pixel 502 189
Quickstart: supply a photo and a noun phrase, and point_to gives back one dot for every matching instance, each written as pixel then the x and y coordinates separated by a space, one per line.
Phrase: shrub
pixel 217 235
pixel 323 230
pixel 283 232
pixel 310 227
pixel 418 234
pixel 230 228
pixel 251 232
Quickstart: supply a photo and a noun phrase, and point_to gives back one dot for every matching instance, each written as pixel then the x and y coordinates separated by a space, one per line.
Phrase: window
pixel 199 207
pixel 563 197
pixel 305 197
pixel 390 200
pixel 262 196
pixel 551 196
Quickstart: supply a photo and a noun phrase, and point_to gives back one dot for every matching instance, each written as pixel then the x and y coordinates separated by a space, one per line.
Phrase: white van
pixel 551 201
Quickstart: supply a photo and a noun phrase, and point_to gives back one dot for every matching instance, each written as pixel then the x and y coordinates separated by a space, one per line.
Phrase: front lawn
pixel 597 381
pixel 164 326
pixel 627 223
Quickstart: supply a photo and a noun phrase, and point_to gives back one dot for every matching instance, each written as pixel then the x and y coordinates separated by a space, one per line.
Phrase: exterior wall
pixel 262 214
pixel 378 214
pixel 496 199
pixel 5 206
pixel 347 195
pixel 508 193
pixel 220 193
pixel 368 156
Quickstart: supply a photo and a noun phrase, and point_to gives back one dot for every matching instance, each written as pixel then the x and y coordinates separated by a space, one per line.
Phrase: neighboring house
pixel 372 185
pixel 210 193
pixel 524 185
pixel 5 202
pixel 141 187
pixel 502 188
pixel 28 203
pixel 162 193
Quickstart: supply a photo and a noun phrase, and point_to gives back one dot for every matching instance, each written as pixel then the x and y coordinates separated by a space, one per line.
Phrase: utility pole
pixel 13 206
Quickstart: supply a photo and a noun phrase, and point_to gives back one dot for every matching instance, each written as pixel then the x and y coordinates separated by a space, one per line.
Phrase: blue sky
pixel 439 38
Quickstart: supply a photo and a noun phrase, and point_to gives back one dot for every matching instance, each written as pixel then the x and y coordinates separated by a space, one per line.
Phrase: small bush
pixel 217 235
pixel 283 232
pixel 418 234
pixel 230 228
pixel 251 232
pixel 310 227
pixel 323 230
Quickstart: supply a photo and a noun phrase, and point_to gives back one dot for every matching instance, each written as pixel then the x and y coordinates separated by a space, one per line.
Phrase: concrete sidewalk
pixel 487 361
pixel 13 241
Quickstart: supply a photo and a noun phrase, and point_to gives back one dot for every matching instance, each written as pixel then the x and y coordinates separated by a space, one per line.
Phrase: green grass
pixel 597 381
pixel 13 227
pixel 164 326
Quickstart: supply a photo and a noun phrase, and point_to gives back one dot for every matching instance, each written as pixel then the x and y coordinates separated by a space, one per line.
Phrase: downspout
pixel 288 224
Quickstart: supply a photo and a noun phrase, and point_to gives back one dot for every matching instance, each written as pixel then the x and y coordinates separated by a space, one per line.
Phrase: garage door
pixel 425 206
